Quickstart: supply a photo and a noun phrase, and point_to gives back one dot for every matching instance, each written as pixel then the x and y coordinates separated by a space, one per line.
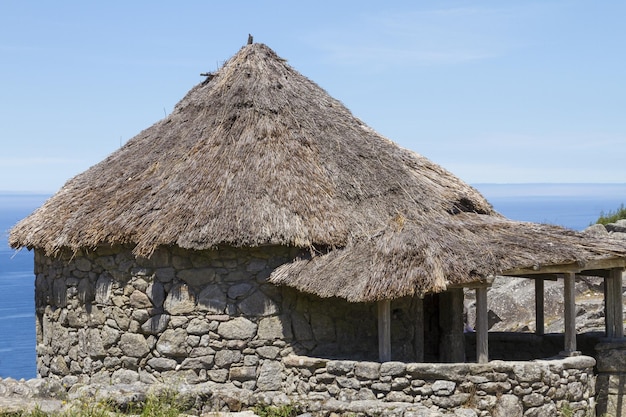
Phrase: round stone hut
pixel 262 220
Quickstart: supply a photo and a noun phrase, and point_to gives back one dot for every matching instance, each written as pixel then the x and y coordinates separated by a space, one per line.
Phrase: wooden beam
pixel 539 307
pixel 482 326
pixel 481 282
pixel 384 330
pixel 574 267
pixel 569 301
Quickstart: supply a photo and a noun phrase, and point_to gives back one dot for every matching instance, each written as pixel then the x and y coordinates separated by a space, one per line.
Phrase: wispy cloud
pixel 420 37
pixel 36 161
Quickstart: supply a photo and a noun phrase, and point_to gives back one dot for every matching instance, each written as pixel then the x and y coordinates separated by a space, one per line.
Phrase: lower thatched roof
pixel 408 259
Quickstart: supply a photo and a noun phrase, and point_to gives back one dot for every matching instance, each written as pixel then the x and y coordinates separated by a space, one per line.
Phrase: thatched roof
pixel 411 258
pixel 258 154
pixel 255 155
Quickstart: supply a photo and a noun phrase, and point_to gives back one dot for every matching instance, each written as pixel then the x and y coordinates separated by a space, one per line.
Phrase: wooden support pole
pixel 384 330
pixel 615 294
pixel 609 309
pixel 482 326
pixel 569 300
pixel 452 338
pixel 539 307
pixel 419 330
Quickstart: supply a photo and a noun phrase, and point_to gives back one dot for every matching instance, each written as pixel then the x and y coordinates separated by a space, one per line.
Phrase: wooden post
pixel 609 309
pixel 482 326
pixel 452 338
pixel 384 330
pixel 616 305
pixel 539 307
pixel 569 300
pixel 419 330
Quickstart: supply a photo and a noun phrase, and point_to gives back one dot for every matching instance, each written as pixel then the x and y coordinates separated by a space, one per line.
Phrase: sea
pixel 575 206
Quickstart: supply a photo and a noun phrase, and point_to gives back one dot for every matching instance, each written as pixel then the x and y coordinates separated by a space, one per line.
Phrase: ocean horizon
pixel 575 206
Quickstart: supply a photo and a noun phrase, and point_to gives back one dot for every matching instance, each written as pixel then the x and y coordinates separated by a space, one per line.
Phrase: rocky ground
pixel 511 301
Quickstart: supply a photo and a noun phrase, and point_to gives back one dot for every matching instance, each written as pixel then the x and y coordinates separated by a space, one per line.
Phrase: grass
pixel 612 216
pixel 264 410
pixel 164 405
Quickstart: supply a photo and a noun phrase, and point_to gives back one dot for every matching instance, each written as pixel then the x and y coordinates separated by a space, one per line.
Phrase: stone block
pixel 134 345
pixel 392 368
pixel 240 290
pixel 396 396
pixel 242 373
pixel 212 299
pixel 200 362
pixel 274 327
pixel 367 370
pixel 180 300
pixel 156 294
pixel 162 364
pixel 237 328
pixel 258 304
pixel 198 326
pixel 225 358
pixel 452 401
pixel 139 299
pixel 156 324
pixel 271 352
pixel 124 376
pixel 542 411
pixel 323 327
pixel 104 285
pixel 345 382
pixel 508 405
pixel 443 387
pixel 533 400
pixel 340 367
pixel 611 358
pixel 434 371
pixel 270 376
pixel 301 328
pixel 173 343
pixel 197 277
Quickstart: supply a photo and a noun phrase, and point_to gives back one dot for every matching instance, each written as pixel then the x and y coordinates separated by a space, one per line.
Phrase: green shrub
pixel 612 216
pixel 264 410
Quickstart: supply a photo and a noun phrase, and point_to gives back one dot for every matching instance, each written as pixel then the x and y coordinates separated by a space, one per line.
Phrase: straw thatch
pixel 258 154
pixel 412 259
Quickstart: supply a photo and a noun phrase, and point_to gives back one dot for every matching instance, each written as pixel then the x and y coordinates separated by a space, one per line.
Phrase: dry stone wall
pixel 192 316
pixel 511 389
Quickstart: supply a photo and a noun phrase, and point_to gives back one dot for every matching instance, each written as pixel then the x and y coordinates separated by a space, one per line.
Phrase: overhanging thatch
pixel 411 260
pixel 258 154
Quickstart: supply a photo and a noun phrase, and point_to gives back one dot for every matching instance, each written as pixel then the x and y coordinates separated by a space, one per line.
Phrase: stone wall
pixel 192 316
pixel 611 385
pixel 511 389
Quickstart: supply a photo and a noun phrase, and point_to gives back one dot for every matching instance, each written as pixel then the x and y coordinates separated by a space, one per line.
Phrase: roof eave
pixel 573 267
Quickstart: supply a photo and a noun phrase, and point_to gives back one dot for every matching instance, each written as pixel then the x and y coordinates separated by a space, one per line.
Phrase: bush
pixel 612 216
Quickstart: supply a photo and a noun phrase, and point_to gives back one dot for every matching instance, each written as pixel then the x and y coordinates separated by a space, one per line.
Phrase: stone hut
pixel 262 220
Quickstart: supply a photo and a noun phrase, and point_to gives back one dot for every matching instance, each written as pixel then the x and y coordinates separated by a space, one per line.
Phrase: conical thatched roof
pixel 258 154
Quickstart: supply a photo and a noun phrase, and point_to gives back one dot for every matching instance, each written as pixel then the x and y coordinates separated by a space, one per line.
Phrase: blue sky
pixel 496 92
